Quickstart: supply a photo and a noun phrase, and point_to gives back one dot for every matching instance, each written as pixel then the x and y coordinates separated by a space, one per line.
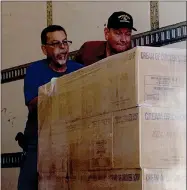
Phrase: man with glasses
pixel 118 34
pixel 56 48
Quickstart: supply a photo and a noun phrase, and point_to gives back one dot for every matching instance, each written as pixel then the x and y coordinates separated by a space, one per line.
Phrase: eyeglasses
pixel 59 44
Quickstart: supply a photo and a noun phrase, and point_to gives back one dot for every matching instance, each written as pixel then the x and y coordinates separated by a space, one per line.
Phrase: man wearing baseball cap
pixel 118 33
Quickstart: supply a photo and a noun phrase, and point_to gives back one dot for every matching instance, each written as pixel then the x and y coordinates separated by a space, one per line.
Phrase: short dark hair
pixel 51 28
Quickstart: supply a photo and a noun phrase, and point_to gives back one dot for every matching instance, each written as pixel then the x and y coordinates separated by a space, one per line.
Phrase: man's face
pixel 56 47
pixel 119 40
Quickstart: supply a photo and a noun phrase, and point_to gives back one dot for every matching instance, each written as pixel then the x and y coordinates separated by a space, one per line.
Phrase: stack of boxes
pixel 117 124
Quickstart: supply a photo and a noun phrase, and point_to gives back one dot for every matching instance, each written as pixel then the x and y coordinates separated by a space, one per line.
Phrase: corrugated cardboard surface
pixel 161 77
pixel 141 76
pixel 149 137
pixel 133 179
pixel 83 125
pixel 132 138
pixel 52 182
pixel 163 137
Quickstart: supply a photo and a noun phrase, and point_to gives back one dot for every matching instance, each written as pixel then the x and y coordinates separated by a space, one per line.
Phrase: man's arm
pixel 31 85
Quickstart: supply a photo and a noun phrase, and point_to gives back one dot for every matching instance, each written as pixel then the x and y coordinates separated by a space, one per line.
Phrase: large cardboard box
pixel 83 124
pixel 141 137
pixel 141 76
pixel 132 179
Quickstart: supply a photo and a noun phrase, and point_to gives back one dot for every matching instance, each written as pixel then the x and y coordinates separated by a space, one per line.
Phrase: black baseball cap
pixel 120 20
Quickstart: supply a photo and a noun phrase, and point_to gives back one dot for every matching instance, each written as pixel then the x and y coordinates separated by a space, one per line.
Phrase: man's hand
pixel 21 141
